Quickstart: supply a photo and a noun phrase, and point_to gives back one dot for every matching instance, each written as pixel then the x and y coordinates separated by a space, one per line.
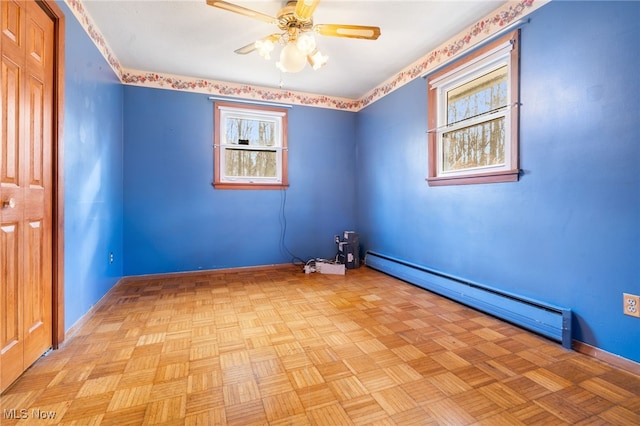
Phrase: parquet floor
pixel 278 347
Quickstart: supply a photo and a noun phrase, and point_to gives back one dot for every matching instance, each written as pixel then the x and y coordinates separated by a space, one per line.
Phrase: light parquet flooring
pixel 277 347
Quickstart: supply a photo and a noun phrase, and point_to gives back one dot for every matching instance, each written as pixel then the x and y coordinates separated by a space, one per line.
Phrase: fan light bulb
pixel 291 59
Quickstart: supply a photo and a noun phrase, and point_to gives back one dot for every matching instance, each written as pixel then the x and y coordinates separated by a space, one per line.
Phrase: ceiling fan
pixel 295 22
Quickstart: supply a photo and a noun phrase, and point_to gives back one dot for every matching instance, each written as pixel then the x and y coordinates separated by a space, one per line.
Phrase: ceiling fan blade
pixel 305 8
pixel 252 46
pixel 244 50
pixel 350 31
pixel 242 11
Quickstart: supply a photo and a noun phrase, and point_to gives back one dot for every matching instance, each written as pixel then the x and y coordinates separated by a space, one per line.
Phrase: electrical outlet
pixel 111 258
pixel 631 304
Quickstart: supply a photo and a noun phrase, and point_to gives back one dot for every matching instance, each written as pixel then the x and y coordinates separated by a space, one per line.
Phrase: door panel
pixel 10 295
pixel 26 45
pixel 11 341
pixel 10 123
pixel 11 215
pixel 37 293
pixel 36 143
pixel 38 191
pixel 12 21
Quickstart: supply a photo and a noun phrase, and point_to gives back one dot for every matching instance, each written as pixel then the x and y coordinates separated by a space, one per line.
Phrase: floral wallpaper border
pixel 234 90
pixel 501 18
pixel 77 8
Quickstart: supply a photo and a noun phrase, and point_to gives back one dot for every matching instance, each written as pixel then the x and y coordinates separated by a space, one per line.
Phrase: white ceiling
pixel 191 39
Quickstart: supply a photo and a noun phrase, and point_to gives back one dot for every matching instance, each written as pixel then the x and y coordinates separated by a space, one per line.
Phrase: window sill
pixel 261 186
pixel 506 176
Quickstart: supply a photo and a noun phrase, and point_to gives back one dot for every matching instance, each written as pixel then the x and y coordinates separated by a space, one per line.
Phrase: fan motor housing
pixel 288 20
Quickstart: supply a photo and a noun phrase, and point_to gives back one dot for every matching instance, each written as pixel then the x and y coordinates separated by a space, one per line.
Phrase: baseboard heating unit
pixel 548 320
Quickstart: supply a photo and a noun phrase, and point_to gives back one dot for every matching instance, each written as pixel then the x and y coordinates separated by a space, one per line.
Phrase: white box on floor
pixel 330 268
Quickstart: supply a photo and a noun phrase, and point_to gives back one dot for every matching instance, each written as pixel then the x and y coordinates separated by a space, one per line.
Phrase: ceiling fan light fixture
pixel 306 43
pixel 264 47
pixel 291 59
pixel 317 60
pixel 295 21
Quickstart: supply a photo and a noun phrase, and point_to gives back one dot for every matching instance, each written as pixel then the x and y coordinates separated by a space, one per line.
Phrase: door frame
pixel 57 162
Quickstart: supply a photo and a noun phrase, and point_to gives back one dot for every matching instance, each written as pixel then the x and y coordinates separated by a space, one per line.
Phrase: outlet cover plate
pixel 631 305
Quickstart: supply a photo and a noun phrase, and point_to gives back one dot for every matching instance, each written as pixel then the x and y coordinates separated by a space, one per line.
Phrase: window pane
pixel 244 131
pixel 247 163
pixel 481 145
pixel 479 96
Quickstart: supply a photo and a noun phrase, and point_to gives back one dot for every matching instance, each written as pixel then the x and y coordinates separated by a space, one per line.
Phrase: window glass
pixel 482 95
pixel 244 130
pixel 242 163
pixel 474 146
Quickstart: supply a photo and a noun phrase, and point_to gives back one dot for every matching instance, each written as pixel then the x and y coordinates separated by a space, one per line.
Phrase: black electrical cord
pixel 284 250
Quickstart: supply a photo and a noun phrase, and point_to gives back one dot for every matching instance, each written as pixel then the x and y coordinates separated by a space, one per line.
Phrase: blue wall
pixel 92 142
pixel 176 221
pixel 568 232
pixel 139 165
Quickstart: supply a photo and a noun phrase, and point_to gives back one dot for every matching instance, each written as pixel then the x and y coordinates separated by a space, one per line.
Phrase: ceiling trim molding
pixel 492 24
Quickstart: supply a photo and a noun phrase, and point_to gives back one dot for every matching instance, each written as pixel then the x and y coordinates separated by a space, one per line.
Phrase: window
pixel 473 117
pixel 250 147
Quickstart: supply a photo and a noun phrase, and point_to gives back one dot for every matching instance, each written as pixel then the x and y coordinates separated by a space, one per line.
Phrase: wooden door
pixel 26 93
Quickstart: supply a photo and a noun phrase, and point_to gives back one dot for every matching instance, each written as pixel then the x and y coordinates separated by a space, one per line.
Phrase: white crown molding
pixel 495 22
